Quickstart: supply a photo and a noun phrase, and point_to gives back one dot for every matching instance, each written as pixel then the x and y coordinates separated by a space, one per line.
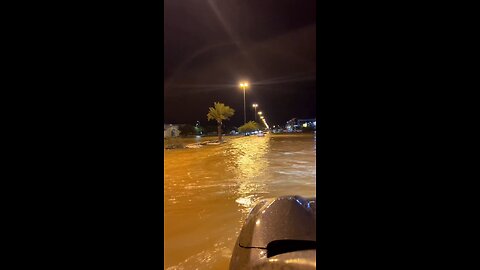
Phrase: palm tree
pixel 219 113
pixel 248 127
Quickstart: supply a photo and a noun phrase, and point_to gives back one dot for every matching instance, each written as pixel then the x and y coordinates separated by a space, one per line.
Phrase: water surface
pixel 209 191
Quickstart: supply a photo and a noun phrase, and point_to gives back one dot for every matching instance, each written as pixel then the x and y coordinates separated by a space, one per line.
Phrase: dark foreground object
pixel 279 233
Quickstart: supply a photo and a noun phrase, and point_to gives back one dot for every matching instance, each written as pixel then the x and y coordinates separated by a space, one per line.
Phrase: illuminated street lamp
pixel 265 123
pixel 244 86
pixel 255 107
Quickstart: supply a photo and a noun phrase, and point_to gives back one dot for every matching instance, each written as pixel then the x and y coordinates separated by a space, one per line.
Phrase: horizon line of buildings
pixel 297 124
pixel 173 130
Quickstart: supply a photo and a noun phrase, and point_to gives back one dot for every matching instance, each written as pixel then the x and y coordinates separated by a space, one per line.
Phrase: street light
pixel 244 86
pixel 255 107
pixel 265 123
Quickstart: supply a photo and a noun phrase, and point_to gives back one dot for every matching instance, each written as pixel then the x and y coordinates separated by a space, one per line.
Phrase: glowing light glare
pixel 304 124
pixel 255 105
pixel 301 262
pixel 244 84
pixel 260 113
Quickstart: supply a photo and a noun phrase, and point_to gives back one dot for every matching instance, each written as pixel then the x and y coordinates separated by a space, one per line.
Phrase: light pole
pixel 244 86
pixel 255 107
pixel 260 113
pixel 264 121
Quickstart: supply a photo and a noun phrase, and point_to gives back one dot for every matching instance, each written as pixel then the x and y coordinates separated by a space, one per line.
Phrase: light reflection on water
pixel 209 191
pixel 250 163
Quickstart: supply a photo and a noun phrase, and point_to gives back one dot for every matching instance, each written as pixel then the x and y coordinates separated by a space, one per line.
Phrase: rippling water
pixel 209 191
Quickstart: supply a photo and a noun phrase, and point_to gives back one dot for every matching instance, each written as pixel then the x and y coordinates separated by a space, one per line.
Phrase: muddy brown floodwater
pixel 209 191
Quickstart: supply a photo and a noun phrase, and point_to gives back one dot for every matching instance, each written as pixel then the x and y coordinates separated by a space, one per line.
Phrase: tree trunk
pixel 219 132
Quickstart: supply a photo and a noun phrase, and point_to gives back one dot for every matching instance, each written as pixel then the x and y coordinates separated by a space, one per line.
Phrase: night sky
pixel 212 45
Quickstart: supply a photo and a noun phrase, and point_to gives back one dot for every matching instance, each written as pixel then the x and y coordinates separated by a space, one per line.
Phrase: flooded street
pixel 209 191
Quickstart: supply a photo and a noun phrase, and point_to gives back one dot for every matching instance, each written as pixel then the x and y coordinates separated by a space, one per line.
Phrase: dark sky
pixel 211 45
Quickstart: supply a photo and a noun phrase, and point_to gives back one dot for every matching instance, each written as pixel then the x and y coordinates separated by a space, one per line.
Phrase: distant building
pixel 291 125
pixel 297 124
pixel 170 130
pixel 307 123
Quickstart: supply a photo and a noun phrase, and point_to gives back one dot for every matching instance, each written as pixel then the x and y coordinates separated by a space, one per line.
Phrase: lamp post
pixel 244 86
pixel 255 107
pixel 264 121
